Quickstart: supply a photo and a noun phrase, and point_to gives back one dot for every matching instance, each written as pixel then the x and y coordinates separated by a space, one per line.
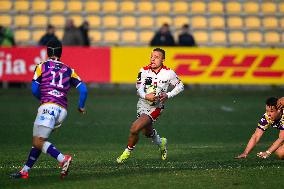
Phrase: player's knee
pixel 134 129
pixel 279 154
pixel 38 143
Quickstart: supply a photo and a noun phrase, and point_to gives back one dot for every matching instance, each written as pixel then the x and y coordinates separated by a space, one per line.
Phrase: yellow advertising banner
pixel 204 65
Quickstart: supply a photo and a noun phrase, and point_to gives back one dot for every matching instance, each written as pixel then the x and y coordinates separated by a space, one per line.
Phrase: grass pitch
pixel 205 128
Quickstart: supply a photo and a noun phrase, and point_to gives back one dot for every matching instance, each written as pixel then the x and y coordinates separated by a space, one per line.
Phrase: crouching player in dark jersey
pixel 51 83
pixel 272 118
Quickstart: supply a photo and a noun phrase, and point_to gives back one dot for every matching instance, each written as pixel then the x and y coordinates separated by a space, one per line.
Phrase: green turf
pixel 205 128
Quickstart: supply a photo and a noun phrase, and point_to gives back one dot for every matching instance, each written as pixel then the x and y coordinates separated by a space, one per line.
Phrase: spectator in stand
pixel 72 35
pixel 6 37
pixel 49 35
pixel 163 37
pixel 185 38
pixel 84 28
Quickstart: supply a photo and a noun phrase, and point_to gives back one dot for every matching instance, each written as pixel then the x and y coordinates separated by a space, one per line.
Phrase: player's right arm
pixel 263 124
pixel 140 86
pixel 252 143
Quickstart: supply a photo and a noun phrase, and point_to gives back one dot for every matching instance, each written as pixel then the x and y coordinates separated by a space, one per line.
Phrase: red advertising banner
pixel 91 64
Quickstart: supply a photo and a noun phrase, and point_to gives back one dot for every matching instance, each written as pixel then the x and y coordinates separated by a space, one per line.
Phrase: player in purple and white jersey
pixel 51 83
pixel 273 117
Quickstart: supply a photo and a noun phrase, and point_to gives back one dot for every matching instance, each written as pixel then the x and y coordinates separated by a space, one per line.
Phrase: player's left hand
pixel 263 155
pixel 163 97
pixel 280 102
pixel 82 110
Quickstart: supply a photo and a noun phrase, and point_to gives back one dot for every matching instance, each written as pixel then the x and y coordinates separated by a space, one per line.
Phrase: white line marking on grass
pixel 227 108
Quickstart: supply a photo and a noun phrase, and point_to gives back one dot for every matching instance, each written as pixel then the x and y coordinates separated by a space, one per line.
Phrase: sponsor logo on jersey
pixel 55 93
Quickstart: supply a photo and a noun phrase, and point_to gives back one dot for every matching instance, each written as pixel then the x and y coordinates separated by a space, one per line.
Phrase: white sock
pixel 60 158
pixel 25 168
pixel 156 138
pixel 45 147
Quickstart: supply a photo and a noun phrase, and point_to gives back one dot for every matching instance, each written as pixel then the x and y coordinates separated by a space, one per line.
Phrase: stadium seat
pixel 216 22
pixel 39 20
pixel 36 35
pixel 59 33
pixel 160 20
pixel 254 37
pixel 144 7
pixel 237 38
pixel 57 20
pixel 233 7
pixel 199 22
pixel 110 6
pixel 111 36
pixel 145 22
pixel 179 21
pixel 252 22
pixel 215 7
pixel 5 20
pixel 110 21
pixel 128 22
pixel 162 7
pixel 21 20
pixel 127 7
pixel 74 6
pixel 94 21
pixel 145 37
pixel 201 37
pixel 268 7
pixel 281 7
pixel 272 38
pixel 281 22
pixel 92 6
pixel 22 36
pixel 218 37
pixel 235 22
pixel 21 6
pixel 6 5
pixel 95 36
pixel 57 6
pixel 251 7
pixel 77 18
pixel 180 7
pixel 129 37
pixel 270 22
pixel 198 7
pixel 39 6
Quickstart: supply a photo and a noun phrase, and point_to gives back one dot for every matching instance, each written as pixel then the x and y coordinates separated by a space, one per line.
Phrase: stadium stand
pixel 236 20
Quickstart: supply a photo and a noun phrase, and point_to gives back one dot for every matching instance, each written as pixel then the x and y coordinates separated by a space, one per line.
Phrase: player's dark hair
pixel 54 48
pixel 161 51
pixel 271 101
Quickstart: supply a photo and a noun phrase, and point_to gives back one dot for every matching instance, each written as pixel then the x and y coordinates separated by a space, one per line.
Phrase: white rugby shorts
pixel 152 111
pixel 50 115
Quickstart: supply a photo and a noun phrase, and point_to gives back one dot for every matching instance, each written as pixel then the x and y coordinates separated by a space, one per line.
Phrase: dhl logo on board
pixel 206 65
pixel 228 63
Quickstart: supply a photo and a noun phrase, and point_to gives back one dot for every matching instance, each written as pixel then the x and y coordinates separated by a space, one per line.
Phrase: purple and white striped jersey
pixel 55 80
pixel 265 122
